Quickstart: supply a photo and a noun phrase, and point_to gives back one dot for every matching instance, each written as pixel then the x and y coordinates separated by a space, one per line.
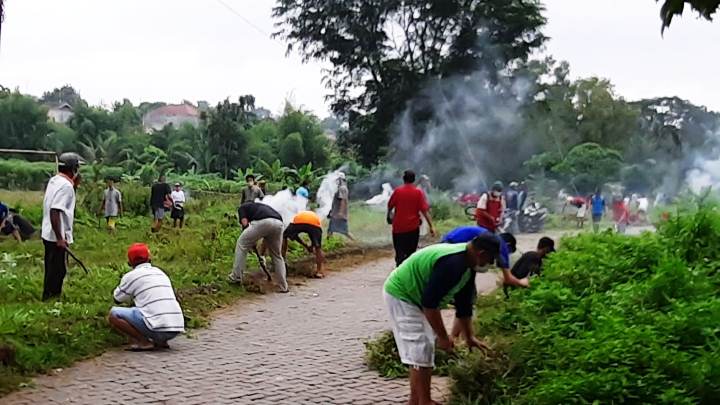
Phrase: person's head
pixel 483 250
pixel 514 185
pixel 497 188
pixel 138 253
pixel 305 183
pixel 69 164
pixel 597 192
pixel 250 179
pixel 545 246
pixel 341 178
pixel 110 182
pixel 161 178
pixel 510 241
pixel 409 176
pixel 178 186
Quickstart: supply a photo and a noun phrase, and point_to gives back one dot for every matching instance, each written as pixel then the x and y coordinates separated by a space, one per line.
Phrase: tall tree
pixel 64 94
pixel 227 128
pixel 382 51
pixel 23 122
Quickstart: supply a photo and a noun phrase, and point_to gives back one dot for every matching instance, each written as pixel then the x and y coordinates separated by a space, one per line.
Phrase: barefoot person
pixel 156 316
pixel 259 221
pixel 416 291
pixel 306 222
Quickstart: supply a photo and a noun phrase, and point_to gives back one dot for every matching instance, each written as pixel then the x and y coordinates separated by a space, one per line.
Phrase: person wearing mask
pixel 339 210
pixel 490 208
pixel 252 191
pixel 597 204
pixel 259 221
pixel 306 222
pixel 57 222
pixel 112 206
pixel 160 201
pixel 415 292
pixel 156 317
pixel 178 209
pixel 407 203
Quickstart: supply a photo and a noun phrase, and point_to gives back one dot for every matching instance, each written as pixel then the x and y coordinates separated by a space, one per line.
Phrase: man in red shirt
pixel 406 205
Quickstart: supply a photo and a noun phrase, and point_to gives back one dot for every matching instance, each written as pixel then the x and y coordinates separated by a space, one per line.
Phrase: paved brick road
pixel 302 347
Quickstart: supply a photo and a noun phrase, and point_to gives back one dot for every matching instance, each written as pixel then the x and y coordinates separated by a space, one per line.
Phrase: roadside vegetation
pixel 613 319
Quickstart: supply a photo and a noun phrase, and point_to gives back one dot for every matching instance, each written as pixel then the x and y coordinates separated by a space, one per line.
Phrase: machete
pixel 71 254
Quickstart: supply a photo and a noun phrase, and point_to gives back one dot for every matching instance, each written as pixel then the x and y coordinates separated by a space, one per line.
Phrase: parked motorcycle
pixel 532 219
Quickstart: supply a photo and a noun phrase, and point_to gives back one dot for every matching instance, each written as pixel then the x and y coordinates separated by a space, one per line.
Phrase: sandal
pixel 318 275
pixel 136 348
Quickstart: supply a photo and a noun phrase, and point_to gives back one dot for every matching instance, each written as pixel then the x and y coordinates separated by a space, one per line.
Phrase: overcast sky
pixel 170 50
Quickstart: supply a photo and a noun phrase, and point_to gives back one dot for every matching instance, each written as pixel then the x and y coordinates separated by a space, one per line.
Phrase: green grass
pixel 48 335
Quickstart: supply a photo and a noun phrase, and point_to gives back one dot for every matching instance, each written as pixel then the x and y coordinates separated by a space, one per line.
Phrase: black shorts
pixel 293 231
pixel 177 213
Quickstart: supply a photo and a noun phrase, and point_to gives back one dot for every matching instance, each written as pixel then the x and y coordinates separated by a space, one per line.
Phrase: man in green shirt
pixel 415 292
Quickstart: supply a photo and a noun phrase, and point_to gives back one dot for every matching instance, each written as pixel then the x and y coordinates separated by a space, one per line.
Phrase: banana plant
pixel 274 172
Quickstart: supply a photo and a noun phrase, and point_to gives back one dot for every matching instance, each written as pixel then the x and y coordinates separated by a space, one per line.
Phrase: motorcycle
pixel 532 218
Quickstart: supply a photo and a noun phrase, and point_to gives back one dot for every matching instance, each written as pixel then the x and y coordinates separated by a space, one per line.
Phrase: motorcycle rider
pixel 490 208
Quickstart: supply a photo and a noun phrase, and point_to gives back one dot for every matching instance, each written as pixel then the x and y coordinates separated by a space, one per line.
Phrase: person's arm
pixel 261 195
pixel 425 211
pixel 509 279
pixel 428 218
pixel 121 295
pixel 56 223
pixel 446 273
pixel 102 206
pixel 390 207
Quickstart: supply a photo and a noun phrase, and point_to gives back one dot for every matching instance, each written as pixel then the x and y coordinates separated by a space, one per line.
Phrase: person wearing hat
pixel 339 210
pixel 178 210
pixel 415 292
pixel 306 222
pixel 57 222
pixel 156 317
pixel 490 208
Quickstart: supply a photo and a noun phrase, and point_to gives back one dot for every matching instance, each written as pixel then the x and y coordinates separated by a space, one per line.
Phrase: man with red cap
pixel 156 316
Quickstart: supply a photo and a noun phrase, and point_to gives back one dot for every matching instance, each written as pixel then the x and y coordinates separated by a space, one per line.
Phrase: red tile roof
pixel 183 110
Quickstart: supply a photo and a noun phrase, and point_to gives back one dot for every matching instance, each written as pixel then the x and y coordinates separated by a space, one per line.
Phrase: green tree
pixel 383 51
pixel 314 143
pixel 64 94
pixel 23 122
pixel 292 152
pixel 671 8
pixel 588 166
pixel 227 137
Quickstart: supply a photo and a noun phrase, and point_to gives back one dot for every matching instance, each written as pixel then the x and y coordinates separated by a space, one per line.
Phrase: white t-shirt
pixel 151 290
pixel 59 195
pixel 178 197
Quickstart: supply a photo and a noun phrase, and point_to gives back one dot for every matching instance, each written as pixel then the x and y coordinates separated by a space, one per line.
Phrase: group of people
pixel 431 278
pixel 624 210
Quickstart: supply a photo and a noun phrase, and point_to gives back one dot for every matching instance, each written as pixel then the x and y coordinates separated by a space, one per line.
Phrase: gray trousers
pixel 271 230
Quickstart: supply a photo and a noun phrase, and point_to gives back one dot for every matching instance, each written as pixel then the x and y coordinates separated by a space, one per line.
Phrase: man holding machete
pixel 57 223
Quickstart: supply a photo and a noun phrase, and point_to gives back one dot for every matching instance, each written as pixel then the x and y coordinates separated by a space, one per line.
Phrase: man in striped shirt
pixel 156 316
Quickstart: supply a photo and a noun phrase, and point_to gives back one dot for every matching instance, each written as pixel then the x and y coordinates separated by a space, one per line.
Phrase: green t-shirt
pixel 408 281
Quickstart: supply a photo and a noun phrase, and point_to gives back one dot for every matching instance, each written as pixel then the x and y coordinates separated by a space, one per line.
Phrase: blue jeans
pixel 134 317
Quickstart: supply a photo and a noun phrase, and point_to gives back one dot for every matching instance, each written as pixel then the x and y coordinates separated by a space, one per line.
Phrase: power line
pixel 248 22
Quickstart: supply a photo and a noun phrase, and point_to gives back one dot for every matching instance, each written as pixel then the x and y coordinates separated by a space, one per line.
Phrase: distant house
pixel 173 114
pixel 60 113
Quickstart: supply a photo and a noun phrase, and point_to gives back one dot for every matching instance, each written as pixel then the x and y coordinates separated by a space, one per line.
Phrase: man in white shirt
pixel 57 223
pixel 178 209
pixel 112 206
pixel 156 316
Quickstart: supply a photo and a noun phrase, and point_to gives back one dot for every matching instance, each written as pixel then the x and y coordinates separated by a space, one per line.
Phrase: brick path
pixel 302 347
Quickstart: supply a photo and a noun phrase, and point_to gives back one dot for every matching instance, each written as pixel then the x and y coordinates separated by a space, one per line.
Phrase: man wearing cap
pixel 306 222
pixel 490 208
pixel 259 221
pixel 156 316
pixel 57 222
pixel 178 209
pixel 416 291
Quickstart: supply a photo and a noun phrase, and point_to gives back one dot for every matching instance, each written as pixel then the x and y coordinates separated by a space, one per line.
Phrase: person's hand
pixel 525 282
pixel 475 343
pixel 62 244
pixel 446 344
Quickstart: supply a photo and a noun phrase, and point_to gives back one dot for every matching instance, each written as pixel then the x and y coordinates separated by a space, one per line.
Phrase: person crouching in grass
pixel 156 316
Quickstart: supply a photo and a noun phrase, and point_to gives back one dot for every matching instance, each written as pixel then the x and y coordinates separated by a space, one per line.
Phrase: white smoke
pixel 382 198
pixel 705 174
pixel 459 131
pixel 286 204
pixel 326 193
